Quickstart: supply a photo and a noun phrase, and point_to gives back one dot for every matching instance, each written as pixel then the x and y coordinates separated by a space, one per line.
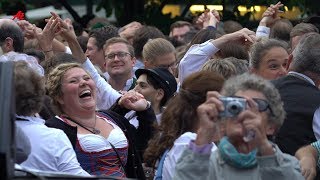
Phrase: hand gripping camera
pixel 232 106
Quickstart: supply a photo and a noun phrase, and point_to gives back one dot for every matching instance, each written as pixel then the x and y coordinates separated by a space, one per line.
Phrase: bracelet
pixel 210 27
pixel 148 105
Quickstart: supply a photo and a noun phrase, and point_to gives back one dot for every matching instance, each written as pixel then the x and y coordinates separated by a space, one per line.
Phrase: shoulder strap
pixel 133 166
pixel 160 166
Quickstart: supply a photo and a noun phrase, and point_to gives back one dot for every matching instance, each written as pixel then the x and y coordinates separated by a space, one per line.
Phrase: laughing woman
pixel 100 139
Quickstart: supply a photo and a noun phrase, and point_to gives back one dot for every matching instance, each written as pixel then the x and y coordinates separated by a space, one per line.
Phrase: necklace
pixel 93 131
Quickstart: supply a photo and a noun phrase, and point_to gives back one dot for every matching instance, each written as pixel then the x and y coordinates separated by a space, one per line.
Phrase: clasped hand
pixel 133 100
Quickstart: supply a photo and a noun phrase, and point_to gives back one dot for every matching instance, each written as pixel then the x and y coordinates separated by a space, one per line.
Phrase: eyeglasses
pixel 120 55
pixel 263 104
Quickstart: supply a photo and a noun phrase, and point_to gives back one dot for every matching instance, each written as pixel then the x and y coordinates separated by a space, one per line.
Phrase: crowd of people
pixel 211 100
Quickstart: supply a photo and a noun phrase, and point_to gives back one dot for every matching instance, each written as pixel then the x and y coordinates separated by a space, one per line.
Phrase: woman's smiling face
pixel 78 91
pixel 273 63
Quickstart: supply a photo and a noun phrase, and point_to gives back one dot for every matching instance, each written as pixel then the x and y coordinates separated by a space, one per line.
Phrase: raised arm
pixel 30 35
pixel 46 36
pixel 198 54
pixel 67 32
pixel 268 19
pixel 107 96
pixel 209 19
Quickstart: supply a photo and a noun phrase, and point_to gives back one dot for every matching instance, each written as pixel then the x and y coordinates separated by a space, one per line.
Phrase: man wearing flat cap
pixel 157 85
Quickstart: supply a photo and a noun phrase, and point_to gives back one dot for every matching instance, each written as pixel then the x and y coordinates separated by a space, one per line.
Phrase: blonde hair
pixel 54 83
pixel 156 47
pixel 225 68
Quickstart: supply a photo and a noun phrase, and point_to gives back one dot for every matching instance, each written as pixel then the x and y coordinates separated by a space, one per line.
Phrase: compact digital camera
pixel 232 106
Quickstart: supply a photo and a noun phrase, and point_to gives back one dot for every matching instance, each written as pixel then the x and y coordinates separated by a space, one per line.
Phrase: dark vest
pixel 301 99
pixel 133 167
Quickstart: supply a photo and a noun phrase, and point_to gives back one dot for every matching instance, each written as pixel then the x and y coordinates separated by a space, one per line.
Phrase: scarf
pixel 235 159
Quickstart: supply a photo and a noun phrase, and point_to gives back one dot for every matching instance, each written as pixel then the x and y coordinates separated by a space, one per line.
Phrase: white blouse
pixel 175 152
pixel 96 142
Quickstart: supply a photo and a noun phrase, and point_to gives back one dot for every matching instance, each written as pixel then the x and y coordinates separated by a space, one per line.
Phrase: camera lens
pixel 234 107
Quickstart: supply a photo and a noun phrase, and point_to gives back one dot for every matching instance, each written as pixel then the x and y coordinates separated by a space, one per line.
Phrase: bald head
pixel 11 36
pixel 7 21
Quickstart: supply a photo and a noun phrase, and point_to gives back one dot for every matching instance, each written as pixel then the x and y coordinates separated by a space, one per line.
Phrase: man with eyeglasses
pixel 120 60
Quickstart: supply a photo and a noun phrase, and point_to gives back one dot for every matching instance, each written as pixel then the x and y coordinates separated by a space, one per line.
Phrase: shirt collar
pixel 32 119
pixel 128 84
pixel 303 76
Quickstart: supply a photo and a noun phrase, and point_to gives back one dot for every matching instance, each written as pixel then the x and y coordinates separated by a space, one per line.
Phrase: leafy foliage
pixel 150 11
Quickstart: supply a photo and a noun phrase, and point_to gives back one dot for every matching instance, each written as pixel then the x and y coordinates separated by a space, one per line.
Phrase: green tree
pixel 150 11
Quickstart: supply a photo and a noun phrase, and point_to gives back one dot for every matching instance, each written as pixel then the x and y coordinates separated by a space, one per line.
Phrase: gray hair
pixel 261 47
pixel 306 55
pixel 252 82
pixel 303 28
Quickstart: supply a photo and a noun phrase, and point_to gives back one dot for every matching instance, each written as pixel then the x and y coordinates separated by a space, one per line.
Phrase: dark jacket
pixel 301 99
pixel 137 138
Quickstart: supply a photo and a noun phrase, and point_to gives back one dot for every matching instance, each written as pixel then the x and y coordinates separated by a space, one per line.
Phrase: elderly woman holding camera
pixel 245 151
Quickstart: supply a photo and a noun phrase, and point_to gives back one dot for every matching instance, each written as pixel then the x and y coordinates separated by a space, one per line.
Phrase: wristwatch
pixel 148 105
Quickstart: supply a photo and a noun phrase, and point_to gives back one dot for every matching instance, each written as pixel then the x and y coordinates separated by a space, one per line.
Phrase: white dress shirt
pixel 316 124
pixel 195 57
pixel 30 60
pixel 132 117
pixel 198 54
pixel 175 152
pixel 263 31
pixel 128 84
pixel 51 150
